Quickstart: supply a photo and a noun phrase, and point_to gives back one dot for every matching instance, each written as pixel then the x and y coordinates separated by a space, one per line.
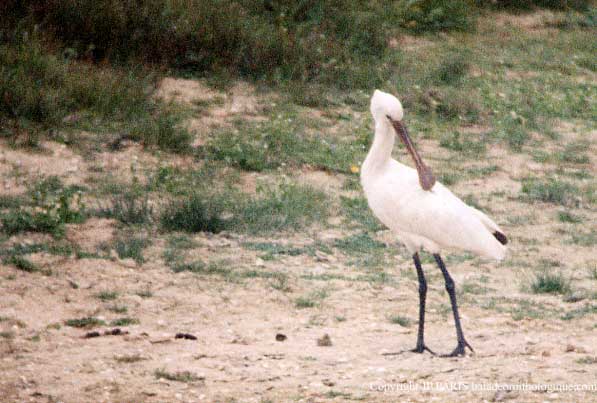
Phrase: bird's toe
pixel 460 350
pixel 421 348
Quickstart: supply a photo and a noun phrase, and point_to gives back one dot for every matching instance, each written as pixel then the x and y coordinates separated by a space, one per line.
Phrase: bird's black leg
pixel 462 343
pixel 421 347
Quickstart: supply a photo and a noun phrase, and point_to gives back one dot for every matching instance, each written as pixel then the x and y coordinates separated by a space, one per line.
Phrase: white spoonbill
pixel 421 212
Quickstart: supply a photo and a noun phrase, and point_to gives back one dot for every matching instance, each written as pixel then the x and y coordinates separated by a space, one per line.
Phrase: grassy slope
pixel 506 87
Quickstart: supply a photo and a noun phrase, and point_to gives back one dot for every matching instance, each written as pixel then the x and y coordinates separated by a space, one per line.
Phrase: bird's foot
pixel 421 348
pixel 459 350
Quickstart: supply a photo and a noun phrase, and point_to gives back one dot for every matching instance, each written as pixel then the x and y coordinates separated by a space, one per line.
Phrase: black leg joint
pixel 448 279
pixel 450 285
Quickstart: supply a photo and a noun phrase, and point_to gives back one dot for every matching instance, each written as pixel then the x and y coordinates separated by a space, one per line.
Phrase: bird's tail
pixel 498 251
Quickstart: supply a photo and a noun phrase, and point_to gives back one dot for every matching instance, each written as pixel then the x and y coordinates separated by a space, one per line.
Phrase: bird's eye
pixel 389 117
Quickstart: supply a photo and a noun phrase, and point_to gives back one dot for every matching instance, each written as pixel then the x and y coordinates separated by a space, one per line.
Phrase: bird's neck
pixel 381 149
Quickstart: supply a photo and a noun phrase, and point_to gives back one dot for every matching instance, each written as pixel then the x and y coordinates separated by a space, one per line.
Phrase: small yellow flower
pixel 354 169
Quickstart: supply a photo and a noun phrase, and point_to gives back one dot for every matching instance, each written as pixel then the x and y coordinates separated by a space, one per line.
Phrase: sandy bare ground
pixel 519 337
pixel 236 355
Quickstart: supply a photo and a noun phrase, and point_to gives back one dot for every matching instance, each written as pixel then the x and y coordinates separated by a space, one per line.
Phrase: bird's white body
pixel 421 219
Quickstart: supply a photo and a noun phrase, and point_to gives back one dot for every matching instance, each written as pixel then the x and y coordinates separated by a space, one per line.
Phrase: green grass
pixel 182 376
pixel 287 206
pixel 107 295
pixel 54 326
pixel 51 206
pixel 163 130
pixel 472 201
pixel 283 141
pixel 277 40
pixel 131 248
pixel 454 69
pixel 181 241
pixel 332 394
pixel 587 309
pixel 118 308
pixel 125 321
pixel 197 213
pixel 550 283
pixel 44 91
pixel 131 207
pixel 196 266
pixel 449 178
pixel 526 5
pixel 12 201
pixel 277 280
pixel 129 359
pixel 280 282
pixel 584 238
pixel 589 360
pixel 550 190
pixel 19 221
pixel 357 211
pixel 312 299
pixel 473 288
pixel 272 250
pixel 144 293
pixel 220 268
pixel 284 207
pixel 305 49
pixel 21 263
pixel 16 254
pixel 568 217
pixel 574 153
pixel 359 244
pixel 85 322
pixel 481 171
pixel 305 302
pixel 339 42
pixel 400 320
pixel 526 309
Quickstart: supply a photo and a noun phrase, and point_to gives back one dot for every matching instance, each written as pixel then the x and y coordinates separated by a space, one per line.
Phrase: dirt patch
pixel 410 42
pixel 54 159
pixel 92 234
pixel 133 161
pixel 236 353
pixel 520 75
pixel 530 22
pixel 215 109
pixel 322 180
pixel 185 92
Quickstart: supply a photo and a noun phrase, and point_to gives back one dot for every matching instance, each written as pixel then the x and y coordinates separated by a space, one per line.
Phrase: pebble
pixel 324 341
pixel 321 257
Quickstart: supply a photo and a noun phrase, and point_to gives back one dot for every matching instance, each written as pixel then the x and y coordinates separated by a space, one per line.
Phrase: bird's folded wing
pixel 446 220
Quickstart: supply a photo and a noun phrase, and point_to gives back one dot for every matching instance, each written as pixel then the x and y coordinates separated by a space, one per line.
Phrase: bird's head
pixel 384 106
pixel 387 109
